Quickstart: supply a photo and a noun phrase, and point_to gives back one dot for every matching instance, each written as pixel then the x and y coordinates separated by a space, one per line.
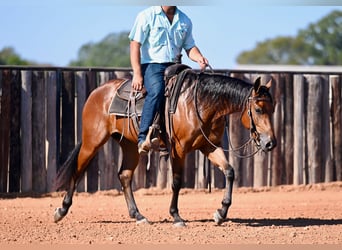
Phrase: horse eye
pixel 258 110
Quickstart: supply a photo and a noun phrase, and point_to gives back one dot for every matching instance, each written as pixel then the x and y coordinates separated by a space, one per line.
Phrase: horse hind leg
pixel 61 212
pixel 65 180
pixel 78 163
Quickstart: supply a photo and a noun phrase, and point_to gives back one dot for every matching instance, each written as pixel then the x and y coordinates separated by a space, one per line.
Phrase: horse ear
pixel 269 84
pixel 257 84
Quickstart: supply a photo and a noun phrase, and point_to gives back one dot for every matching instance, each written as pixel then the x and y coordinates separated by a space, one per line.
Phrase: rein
pixel 252 130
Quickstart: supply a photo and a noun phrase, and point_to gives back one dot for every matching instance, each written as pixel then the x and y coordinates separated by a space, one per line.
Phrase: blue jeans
pixel 154 83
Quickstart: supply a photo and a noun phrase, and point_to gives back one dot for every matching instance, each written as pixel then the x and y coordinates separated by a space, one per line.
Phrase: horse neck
pixel 223 95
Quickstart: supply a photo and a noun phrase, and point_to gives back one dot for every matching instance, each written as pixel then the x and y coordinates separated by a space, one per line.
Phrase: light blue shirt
pixel 161 41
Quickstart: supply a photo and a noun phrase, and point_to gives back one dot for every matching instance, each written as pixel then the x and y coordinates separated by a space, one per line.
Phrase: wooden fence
pixel 40 123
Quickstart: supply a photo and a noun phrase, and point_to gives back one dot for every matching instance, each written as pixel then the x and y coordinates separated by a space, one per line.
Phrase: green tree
pixel 8 56
pixel 319 44
pixel 325 40
pixel 112 51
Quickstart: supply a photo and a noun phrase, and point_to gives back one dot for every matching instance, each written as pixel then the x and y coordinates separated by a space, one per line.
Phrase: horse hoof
pixel 218 218
pixel 58 216
pixel 179 224
pixel 142 221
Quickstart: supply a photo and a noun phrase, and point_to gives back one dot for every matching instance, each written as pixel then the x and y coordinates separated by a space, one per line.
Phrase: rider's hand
pixel 137 82
pixel 203 63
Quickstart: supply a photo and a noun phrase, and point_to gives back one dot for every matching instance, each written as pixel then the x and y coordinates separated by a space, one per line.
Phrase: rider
pixel 157 38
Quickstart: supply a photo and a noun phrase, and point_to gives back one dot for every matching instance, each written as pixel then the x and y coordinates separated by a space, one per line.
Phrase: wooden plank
pixel 26 131
pixel 5 128
pixel 326 133
pixel 68 115
pixel 207 173
pixel 288 151
pixel 314 128
pixel 152 170
pixel 260 169
pixel 51 130
pixel 277 158
pixel 189 170
pixel 14 163
pixel 81 95
pixel 38 133
pixel 298 124
pixel 335 174
pixel 162 179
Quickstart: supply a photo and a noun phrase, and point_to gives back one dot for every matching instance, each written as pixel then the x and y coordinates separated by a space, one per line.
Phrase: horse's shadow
pixel 291 222
pixel 264 222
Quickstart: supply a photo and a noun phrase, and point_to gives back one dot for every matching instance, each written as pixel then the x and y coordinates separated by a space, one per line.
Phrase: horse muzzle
pixel 267 143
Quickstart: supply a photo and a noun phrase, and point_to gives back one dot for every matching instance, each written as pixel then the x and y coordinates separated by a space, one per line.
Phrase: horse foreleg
pixel 221 214
pixel 129 163
pixel 176 186
pixel 125 177
pixel 218 158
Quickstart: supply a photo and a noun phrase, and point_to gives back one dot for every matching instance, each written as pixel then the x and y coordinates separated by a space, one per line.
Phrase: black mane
pixel 222 90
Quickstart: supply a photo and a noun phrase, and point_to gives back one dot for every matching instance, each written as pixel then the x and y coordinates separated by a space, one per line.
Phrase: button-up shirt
pixel 161 41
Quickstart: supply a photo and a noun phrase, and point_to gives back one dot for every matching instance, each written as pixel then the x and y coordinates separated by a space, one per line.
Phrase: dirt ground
pixel 285 214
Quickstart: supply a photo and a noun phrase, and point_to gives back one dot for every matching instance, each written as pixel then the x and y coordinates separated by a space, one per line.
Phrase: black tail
pixel 66 171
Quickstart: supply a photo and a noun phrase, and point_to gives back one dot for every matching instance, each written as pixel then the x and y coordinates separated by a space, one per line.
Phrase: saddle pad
pixel 125 103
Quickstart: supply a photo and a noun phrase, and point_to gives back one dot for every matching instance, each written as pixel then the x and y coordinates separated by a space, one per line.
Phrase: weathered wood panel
pixel 314 128
pixel 67 115
pixel 26 130
pixel 277 159
pixel 39 181
pixel 336 112
pixel 298 124
pixel 5 122
pixel 14 163
pixel 287 148
pixel 52 124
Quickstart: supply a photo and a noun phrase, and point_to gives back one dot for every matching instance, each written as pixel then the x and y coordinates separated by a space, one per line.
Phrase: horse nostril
pixel 271 144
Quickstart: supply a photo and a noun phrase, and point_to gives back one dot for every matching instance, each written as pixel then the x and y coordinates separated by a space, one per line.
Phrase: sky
pixel 52 32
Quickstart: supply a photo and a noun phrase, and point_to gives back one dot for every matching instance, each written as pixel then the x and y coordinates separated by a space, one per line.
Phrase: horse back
pixel 103 94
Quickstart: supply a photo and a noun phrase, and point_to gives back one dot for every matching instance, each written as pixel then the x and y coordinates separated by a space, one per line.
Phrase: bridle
pixel 254 134
pixel 253 131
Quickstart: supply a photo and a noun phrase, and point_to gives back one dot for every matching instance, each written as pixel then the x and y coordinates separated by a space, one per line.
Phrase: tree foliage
pixel 112 51
pixel 8 56
pixel 319 44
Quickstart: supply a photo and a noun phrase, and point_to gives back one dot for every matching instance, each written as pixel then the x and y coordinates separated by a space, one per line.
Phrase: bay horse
pixel 197 123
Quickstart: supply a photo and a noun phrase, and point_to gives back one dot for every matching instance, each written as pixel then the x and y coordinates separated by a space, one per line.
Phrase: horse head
pixel 257 116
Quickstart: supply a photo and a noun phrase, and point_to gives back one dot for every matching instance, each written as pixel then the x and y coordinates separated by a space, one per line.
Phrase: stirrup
pixel 153 134
pixel 151 141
